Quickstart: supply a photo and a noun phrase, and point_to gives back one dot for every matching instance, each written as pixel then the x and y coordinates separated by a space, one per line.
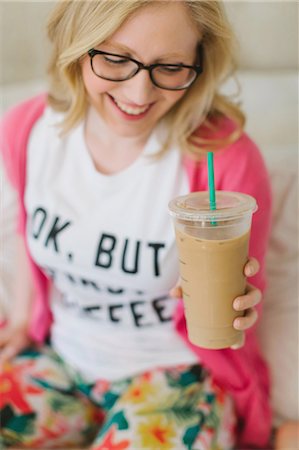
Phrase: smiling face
pixel 155 34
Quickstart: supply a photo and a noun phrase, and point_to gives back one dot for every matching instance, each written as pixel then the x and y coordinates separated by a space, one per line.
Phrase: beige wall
pixel 267 31
pixel 23 41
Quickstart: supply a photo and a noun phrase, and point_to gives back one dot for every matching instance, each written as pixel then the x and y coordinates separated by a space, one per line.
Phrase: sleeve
pixel 7 147
pixel 15 128
pixel 11 157
pixel 241 168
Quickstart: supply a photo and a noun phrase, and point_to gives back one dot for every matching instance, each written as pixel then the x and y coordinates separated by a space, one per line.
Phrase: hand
pixel 287 435
pixel 246 302
pixel 13 339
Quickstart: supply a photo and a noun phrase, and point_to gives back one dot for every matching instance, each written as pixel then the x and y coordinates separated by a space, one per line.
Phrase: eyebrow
pixel 126 51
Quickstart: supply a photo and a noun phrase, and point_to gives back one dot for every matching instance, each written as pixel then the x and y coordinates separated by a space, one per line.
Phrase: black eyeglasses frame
pixel 198 68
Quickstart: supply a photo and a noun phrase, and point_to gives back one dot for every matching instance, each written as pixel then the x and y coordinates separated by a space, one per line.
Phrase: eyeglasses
pixel 172 77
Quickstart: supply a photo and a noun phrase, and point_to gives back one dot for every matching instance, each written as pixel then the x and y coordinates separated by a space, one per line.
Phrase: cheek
pixel 93 84
pixel 173 97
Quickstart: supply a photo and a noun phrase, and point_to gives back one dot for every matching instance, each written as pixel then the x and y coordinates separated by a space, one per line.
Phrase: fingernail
pixel 250 271
pixel 235 346
pixel 238 324
pixel 237 304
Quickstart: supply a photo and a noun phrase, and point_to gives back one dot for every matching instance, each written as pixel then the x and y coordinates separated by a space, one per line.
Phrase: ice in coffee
pixel 213 250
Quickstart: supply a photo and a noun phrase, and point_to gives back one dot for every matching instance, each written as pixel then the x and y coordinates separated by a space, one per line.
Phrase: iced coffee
pixel 213 250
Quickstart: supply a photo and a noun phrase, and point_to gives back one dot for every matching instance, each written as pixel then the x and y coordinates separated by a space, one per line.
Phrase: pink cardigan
pixel 239 167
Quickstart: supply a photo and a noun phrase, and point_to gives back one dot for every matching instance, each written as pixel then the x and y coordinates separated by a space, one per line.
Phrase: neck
pixel 105 135
pixel 109 151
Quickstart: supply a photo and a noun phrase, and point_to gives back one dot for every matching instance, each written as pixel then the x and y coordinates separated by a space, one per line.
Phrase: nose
pixel 140 88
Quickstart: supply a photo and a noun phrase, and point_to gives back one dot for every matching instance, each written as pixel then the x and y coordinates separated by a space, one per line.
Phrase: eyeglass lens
pixel 117 68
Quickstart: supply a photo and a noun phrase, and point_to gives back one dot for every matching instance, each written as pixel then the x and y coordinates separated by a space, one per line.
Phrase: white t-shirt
pixel 108 244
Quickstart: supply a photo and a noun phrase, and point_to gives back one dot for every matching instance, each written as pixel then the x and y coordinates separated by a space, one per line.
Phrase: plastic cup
pixel 213 250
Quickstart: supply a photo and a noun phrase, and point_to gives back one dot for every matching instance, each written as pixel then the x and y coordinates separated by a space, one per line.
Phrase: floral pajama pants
pixel 44 404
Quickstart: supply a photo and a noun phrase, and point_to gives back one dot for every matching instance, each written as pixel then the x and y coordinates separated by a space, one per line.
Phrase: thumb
pixel 176 291
pixel 240 343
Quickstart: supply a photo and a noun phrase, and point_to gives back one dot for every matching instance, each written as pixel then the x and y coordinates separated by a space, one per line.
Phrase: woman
pixel 133 105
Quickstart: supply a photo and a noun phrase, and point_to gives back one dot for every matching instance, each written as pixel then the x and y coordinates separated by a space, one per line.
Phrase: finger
pixel 176 291
pixel 240 343
pixel 251 267
pixel 247 321
pixel 252 298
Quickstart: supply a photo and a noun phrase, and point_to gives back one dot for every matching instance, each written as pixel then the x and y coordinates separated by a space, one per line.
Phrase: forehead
pixel 158 28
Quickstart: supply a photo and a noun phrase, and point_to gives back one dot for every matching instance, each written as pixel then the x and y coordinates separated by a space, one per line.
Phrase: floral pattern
pixel 13 390
pixel 43 403
pixel 110 443
pixel 156 433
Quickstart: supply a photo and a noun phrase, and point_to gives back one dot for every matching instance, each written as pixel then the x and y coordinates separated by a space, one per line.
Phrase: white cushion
pixel 270 101
pixel 278 328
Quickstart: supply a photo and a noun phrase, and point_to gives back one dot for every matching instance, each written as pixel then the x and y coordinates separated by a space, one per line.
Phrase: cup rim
pixel 229 205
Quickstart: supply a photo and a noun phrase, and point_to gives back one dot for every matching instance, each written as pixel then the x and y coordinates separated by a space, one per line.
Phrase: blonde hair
pixel 76 26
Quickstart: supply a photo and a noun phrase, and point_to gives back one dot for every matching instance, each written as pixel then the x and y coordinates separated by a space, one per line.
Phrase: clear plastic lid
pixel 196 206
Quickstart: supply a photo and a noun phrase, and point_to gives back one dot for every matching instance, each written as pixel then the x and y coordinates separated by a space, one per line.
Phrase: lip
pixel 127 116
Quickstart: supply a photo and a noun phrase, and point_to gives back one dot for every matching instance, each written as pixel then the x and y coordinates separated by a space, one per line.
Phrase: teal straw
pixel 211 181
